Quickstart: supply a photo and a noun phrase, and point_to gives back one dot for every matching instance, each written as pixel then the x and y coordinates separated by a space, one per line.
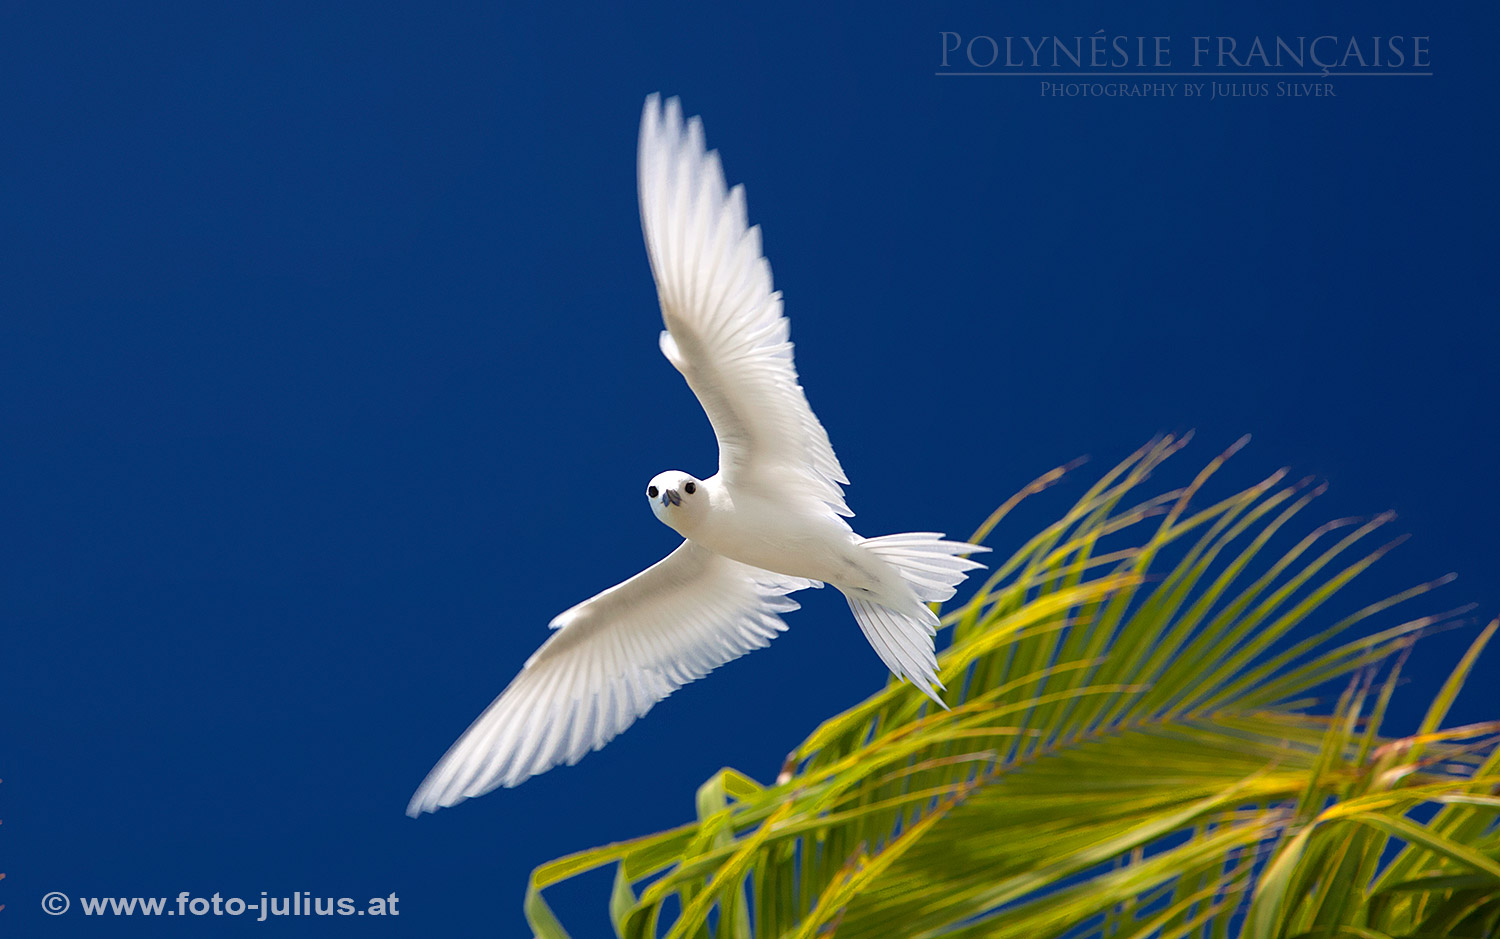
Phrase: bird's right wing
pixel 612 658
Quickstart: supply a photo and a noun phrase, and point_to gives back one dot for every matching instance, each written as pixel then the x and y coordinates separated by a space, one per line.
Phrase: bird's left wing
pixel 612 658
pixel 725 331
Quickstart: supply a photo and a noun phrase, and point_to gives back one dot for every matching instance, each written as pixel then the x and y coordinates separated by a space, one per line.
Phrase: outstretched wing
pixel 725 332
pixel 612 658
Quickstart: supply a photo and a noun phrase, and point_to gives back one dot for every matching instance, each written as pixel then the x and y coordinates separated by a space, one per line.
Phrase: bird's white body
pixel 772 533
pixel 759 530
pixel 770 522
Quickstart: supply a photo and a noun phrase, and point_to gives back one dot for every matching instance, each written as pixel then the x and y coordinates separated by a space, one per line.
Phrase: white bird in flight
pixel 769 522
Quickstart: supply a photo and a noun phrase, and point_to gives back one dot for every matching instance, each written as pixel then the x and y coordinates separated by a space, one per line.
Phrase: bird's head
pixel 676 498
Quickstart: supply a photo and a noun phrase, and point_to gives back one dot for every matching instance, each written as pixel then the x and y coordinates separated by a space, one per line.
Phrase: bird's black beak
pixel 670 495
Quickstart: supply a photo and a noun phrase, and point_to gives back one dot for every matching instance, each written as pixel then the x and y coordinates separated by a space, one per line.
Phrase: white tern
pixel 769 522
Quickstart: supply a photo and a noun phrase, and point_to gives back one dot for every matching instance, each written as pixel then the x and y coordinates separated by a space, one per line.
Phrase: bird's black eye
pixel 690 488
pixel 652 493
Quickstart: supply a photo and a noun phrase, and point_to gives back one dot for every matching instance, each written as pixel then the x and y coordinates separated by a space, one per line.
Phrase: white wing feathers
pixel 725 330
pixel 612 658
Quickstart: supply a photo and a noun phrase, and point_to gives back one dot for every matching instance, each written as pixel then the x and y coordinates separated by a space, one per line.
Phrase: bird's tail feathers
pixel 902 630
pixel 931 566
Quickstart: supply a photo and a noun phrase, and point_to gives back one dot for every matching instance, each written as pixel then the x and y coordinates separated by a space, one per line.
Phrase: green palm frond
pixel 1129 753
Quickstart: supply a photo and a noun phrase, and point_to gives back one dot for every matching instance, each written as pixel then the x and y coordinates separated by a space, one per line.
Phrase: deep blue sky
pixel 328 375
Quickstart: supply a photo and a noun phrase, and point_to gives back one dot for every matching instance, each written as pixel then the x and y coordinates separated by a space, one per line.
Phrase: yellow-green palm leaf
pixel 1132 751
